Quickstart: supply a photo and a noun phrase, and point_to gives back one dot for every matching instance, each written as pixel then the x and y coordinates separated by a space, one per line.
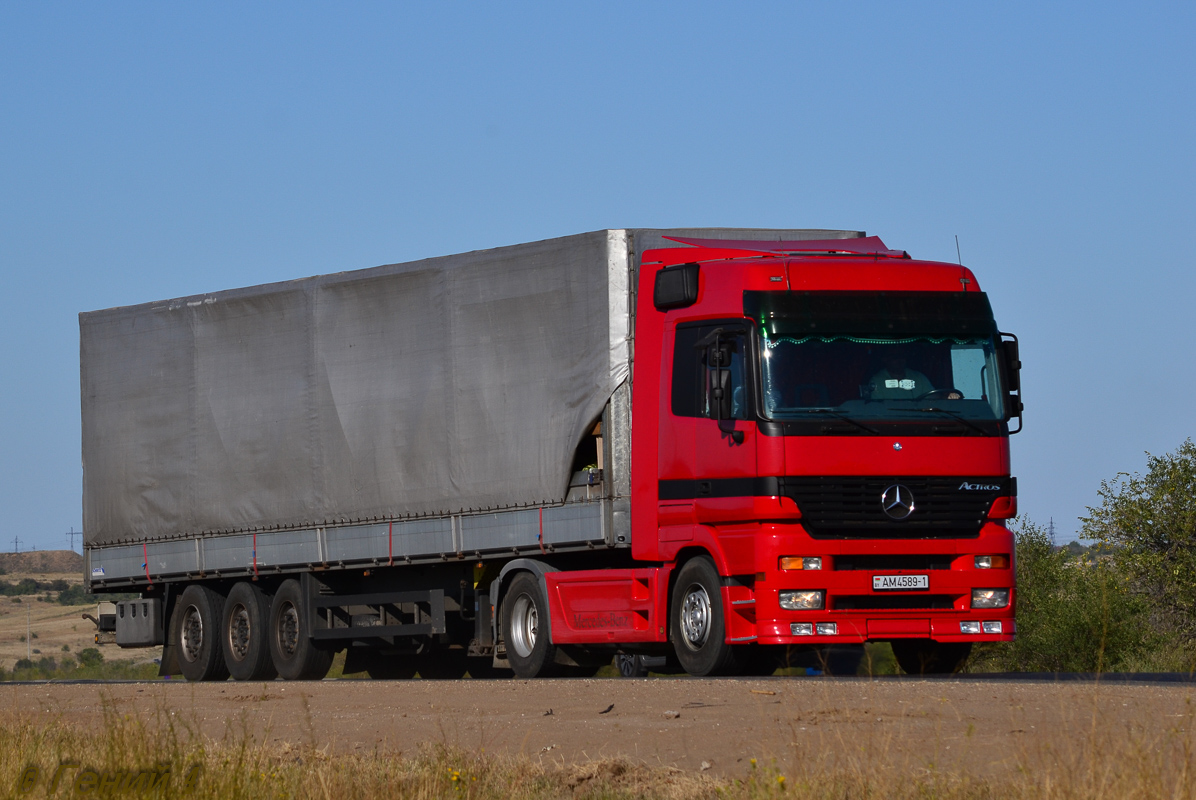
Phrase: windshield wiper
pixel 843 416
pixel 957 418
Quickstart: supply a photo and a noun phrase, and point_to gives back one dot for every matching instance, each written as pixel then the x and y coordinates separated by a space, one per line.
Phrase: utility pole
pixel 1051 531
pixel 29 631
pixel 16 544
pixel 72 534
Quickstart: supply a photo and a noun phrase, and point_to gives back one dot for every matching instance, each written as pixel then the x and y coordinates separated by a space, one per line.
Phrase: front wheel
pixel 925 657
pixel 295 654
pixel 696 624
pixel 524 612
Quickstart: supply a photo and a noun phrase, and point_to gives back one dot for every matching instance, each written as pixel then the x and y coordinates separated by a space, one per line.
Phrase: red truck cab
pixel 820 456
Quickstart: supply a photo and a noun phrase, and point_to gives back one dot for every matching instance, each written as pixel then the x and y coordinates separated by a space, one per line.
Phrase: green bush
pixel 90 657
pixel 1148 524
pixel 1076 613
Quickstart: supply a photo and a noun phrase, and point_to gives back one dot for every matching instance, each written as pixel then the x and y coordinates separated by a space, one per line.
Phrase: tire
pixel 697 628
pixel 529 652
pixel 925 657
pixel 199 620
pixel 631 666
pixel 243 634
pixel 292 649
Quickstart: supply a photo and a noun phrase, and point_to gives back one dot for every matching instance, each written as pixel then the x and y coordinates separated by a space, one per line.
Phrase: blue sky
pixel 150 151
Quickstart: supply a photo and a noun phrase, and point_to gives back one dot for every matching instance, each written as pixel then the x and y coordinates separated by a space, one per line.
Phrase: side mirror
pixel 676 287
pixel 1012 363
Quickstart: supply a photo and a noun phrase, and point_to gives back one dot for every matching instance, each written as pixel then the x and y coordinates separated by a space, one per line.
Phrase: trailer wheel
pixel 197 628
pixel 523 610
pixel 697 628
pixel 244 640
pixel 926 657
pixel 292 649
pixel 631 666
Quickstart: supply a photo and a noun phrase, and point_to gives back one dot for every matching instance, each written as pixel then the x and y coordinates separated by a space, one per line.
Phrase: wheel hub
pixel 288 630
pixel 695 617
pixel 239 632
pixel 525 625
pixel 191 634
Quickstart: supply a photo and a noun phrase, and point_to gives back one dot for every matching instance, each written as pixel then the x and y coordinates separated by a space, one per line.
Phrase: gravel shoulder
pixel 985 728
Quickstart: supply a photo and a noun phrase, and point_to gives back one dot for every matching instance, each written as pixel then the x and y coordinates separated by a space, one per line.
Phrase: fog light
pixel 801 628
pixel 990 598
pixel 827 628
pixel 969 627
pixel 801 601
pixel 992 627
pixel 800 562
pixel 992 562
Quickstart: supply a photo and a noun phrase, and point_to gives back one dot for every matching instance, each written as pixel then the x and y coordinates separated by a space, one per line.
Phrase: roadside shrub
pixel 90 657
pixel 1148 524
pixel 1075 614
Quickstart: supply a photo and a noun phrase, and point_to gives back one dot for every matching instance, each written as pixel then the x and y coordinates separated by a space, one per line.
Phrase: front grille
pixel 849 507
pixel 890 563
pixel 871 602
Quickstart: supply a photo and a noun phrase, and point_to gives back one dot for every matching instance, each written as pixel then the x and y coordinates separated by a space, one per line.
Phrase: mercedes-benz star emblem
pixel 897 502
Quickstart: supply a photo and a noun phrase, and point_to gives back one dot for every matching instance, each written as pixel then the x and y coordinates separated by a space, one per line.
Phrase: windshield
pixel 878 378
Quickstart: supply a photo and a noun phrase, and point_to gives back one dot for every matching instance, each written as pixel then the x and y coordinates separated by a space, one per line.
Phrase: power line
pixel 72 533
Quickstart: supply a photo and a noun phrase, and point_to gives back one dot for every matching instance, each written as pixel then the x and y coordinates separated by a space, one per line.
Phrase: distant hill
pixel 42 561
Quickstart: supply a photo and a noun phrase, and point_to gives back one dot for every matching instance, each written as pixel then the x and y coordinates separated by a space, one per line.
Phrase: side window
pixel 687 374
pixel 699 355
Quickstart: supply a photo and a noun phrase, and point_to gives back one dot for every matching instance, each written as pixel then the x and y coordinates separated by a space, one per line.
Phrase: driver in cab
pixel 897 381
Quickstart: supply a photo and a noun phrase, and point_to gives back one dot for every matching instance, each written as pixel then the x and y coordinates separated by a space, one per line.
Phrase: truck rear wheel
pixel 926 657
pixel 197 631
pixel 244 640
pixel 524 612
pixel 292 649
pixel 696 625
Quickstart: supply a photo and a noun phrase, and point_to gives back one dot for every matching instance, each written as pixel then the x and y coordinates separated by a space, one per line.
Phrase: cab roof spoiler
pixel 864 246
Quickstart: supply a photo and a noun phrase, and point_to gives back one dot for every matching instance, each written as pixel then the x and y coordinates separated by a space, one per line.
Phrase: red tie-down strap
pixel 145 553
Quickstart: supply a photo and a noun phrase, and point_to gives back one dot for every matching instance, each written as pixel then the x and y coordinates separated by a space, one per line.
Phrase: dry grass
pixel 1090 760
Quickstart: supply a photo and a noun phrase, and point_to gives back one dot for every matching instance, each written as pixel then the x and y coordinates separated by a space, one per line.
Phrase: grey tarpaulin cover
pixel 462 382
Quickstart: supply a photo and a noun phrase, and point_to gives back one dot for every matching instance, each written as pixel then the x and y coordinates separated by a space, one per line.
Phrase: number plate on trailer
pixel 899 583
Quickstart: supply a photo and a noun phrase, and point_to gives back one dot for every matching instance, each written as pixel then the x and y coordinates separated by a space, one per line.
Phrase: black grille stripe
pixel 848 507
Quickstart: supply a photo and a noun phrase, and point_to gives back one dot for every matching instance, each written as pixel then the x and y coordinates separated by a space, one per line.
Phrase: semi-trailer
pixel 721 449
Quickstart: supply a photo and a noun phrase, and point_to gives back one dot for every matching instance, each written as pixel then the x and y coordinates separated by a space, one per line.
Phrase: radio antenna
pixel 958 257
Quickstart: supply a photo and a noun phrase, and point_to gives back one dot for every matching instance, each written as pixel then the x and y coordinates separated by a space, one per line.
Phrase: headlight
pixel 990 598
pixel 992 562
pixel 801 601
